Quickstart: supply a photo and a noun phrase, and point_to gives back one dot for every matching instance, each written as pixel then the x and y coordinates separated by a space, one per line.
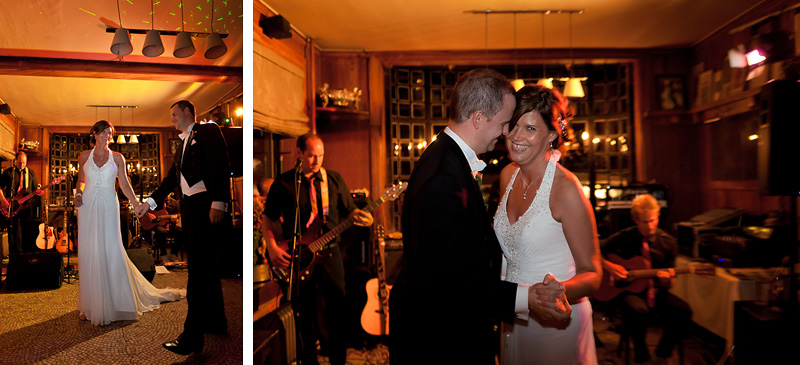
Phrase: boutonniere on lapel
pixel 191 138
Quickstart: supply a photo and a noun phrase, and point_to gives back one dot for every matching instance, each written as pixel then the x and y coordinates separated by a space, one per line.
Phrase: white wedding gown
pixel 111 287
pixel 532 247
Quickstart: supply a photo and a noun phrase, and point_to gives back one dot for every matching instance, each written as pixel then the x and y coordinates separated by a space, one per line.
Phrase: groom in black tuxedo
pixel 448 293
pixel 201 172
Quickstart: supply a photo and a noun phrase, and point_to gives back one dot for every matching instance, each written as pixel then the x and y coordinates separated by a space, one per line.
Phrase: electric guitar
pixel 638 276
pixel 46 239
pixel 162 217
pixel 64 244
pixel 17 202
pixel 375 316
pixel 312 242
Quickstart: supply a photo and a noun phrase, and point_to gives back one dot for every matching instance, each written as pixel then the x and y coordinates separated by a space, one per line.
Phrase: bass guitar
pixel 375 316
pixel 312 242
pixel 17 202
pixel 638 276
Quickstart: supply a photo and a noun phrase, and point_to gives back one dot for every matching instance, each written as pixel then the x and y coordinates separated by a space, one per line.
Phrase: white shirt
pixel 197 188
pixel 521 301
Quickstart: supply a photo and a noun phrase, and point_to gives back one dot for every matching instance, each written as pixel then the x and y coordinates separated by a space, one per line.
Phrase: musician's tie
pixel 312 198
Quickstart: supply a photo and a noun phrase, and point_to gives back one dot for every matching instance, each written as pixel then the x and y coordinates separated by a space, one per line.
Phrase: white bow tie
pixel 478 165
pixel 184 135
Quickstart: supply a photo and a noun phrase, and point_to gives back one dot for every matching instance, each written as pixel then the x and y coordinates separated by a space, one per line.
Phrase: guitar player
pixel 19 180
pixel 326 284
pixel 658 248
pixel 165 224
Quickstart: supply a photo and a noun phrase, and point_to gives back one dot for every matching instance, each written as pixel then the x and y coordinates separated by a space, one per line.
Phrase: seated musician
pixel 165 223
pixel 647 245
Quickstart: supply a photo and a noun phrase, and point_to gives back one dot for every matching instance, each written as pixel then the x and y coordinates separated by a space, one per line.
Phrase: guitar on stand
pixel 375 316
pixel 46 240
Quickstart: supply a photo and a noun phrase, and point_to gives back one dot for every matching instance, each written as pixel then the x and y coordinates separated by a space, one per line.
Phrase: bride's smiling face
pixel 529 138
pixel 103 138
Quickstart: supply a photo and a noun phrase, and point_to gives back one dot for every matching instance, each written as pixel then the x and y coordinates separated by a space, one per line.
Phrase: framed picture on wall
pixel 174 145
pixel 671 92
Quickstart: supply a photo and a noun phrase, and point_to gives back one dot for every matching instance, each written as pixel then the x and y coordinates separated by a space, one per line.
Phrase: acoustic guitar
pixel 46 239
pixel 375 316
pixel 18 202
pixel 162 217
pixel 638 276
pixel 312 242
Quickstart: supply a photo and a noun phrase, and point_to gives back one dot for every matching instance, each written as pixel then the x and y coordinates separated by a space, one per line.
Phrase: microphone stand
pixel 294 267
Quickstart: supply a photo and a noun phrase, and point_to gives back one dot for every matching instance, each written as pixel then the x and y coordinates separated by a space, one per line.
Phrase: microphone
pixel 298 163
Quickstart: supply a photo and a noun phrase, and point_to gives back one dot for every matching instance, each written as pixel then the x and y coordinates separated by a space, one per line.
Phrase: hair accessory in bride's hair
pixel 562 122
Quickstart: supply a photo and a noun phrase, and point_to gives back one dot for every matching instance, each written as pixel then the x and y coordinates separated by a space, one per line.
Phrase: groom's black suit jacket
pixel 448 292
pixel 206 159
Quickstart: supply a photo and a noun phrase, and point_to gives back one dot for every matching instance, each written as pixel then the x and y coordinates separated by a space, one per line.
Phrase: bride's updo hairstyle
pixel 553 107
pixel 97 128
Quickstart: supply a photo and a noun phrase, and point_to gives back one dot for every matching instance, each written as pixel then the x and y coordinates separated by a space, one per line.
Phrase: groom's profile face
pixel 180 118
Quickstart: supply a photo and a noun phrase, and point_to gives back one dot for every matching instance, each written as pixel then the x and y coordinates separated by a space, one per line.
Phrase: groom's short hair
pixel 183 104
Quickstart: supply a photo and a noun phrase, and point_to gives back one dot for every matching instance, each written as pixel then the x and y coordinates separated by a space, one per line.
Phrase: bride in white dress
pixel 546 225
pixel 111 287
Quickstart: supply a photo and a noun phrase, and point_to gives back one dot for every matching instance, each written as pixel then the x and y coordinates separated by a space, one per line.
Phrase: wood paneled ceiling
pixel 411 25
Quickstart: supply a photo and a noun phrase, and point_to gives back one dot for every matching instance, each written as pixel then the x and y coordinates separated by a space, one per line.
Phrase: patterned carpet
pixel 42 327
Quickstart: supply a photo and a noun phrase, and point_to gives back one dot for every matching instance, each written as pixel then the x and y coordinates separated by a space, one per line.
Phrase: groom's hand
pixel 141 209
pixel 548 300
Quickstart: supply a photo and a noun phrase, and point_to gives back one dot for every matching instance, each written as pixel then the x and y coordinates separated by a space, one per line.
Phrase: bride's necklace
pixel 528 186
pixel 101 158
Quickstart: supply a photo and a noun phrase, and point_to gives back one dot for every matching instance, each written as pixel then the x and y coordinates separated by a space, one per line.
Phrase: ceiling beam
pixel 65 67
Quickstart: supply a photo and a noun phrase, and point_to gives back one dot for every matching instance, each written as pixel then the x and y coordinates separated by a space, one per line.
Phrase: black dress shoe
pixel 185 345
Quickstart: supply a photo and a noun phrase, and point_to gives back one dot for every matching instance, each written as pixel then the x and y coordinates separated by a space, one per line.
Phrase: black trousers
pixel 206 312
pixel 672 313
pixel 21 237
pixel 320 306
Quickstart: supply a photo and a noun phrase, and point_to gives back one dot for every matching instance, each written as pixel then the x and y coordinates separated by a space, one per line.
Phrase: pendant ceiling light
pixel 573 88
pixel 152 42
pixel 215 47
pixel 544 81
pixel 518 83
pixel 133 139
pixel 121 45
pixel 183 44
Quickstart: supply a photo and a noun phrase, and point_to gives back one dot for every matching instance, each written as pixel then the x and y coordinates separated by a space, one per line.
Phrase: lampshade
pixel 134 139
pixel 518 84
pixel 152 44
pixel 215 47
pixel 121 139
pixel 183 45
pixel 121 45
pixel 573 88
pixel 548 83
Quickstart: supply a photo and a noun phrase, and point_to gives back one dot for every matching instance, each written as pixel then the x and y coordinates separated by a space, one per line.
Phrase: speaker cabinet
pixel 36 270
pixel 275 26
pixel 778 127
pixel 142 258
